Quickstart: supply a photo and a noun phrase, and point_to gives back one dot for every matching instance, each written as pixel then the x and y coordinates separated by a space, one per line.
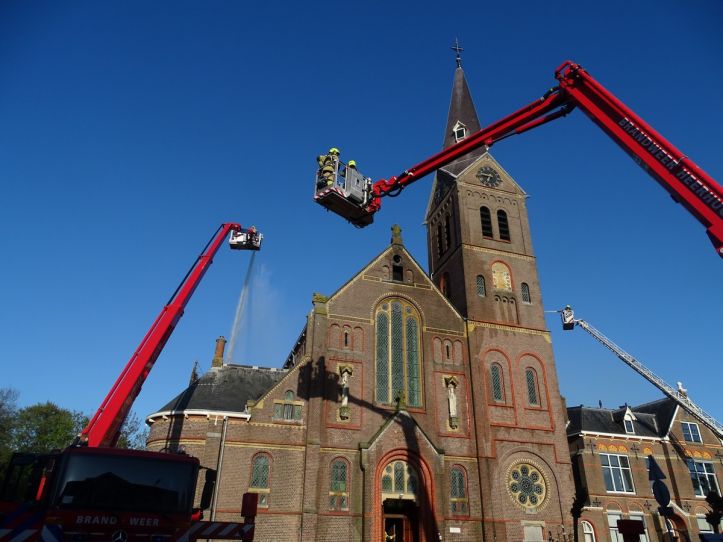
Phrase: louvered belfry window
pixel 486 220
pixel 398 357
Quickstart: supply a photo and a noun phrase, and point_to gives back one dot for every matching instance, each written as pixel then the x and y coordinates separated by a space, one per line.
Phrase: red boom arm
pixel 684 180
pixel 104 428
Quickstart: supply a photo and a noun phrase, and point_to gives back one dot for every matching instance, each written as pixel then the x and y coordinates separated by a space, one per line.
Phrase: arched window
pixel 338 485
pixel 481 288
pixel 398 363
pixel 445 286
pixel 486 219
pixel 447 232
pixel 525 293
pixel 531 379
pixel 260 477
pixel 400 481
pixel 588 532
pixel 457 491
pixel 501 277
pixel 498 383
pixel 503 225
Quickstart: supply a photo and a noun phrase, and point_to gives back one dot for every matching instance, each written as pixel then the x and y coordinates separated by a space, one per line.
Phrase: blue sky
pixel 130 130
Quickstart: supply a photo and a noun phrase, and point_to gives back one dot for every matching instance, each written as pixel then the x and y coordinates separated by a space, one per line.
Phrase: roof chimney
pixel 218 354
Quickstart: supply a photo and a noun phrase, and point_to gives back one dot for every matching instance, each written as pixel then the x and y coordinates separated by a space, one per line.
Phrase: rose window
pixel 526 485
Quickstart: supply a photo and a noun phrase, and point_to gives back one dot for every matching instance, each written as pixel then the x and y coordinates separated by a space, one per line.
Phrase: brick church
pixel 414 406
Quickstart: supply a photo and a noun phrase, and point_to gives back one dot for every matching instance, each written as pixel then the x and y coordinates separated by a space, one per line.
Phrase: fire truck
pixel 356 198
pixel 94 492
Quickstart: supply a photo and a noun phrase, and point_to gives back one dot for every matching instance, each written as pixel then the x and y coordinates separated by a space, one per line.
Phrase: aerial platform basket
pixel 345 194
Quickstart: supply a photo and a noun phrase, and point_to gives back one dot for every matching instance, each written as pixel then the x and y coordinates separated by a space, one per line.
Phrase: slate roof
pixel 652 419
pixel 225 389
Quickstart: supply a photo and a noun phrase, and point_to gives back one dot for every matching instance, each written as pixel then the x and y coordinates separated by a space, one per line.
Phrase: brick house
pixel 609 450
pixel 414 406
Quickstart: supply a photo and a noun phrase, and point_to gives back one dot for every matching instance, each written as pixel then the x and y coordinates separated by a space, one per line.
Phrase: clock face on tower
pixel 489 176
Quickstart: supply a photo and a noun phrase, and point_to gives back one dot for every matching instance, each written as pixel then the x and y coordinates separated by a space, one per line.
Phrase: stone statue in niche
pixel 451 384
pixel 345 371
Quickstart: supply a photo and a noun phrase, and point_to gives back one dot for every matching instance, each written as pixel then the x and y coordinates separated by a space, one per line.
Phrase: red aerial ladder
pixel 92 491
pixel 684 180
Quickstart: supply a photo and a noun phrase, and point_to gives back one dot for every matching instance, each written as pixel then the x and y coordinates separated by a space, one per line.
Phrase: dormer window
pixel 460 132
pixel 628 420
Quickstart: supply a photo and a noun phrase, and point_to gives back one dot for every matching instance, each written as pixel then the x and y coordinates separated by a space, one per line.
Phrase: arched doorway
pixel 403 500
pixel 400 502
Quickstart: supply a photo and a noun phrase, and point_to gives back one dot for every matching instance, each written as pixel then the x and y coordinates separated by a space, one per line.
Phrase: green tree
pixel 133 433
pixel 44 427
pixel 8 411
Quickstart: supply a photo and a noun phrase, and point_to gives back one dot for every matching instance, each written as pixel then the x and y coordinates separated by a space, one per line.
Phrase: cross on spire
pixel 457 49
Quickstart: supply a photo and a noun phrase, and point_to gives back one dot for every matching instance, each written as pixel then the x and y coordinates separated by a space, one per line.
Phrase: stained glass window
pixel 400 478
pixel 531 378
pixel 525 293
pixel 260 471
pixel 338 487
pixel 496 378
pixel 481 289
pixel 457 491
pixel 398 357
pixel 382 357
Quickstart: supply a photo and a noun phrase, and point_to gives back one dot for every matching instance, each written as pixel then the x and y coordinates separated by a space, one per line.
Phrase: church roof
pixel 225 389
pixel 651 419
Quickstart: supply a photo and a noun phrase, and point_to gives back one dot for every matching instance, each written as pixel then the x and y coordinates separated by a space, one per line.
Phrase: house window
pixel 260 478
pixel 617 474
pixel 588 533
pixel 703 477
pixel 501 277
pixel 398 363
pixel 691 432
pixel 481 288
pixel 503 225
pixel 531 379
pixel 338 486
pixel 288 409
pixel 486 219
pixel 629 427
pixel 460 132
pixel 613 518
pixel 525 293
pixel 639 516
pixel 497 383
pixel 458 492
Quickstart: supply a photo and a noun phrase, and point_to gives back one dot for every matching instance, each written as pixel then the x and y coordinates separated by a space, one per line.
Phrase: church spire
pixel 462 117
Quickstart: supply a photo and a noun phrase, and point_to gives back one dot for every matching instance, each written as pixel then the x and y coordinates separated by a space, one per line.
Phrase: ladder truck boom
pixel 687 183
pixel 104 427
pixel 678 395
pixel 91 491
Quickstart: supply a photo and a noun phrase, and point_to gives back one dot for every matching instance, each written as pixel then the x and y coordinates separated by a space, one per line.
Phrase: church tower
pixel 481 257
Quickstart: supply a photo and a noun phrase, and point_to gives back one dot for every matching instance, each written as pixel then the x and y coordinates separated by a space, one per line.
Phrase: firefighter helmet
pixel 352 163
pixel 334 150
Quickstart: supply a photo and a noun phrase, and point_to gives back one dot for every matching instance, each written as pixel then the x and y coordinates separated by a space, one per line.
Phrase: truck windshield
pixel 120 482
